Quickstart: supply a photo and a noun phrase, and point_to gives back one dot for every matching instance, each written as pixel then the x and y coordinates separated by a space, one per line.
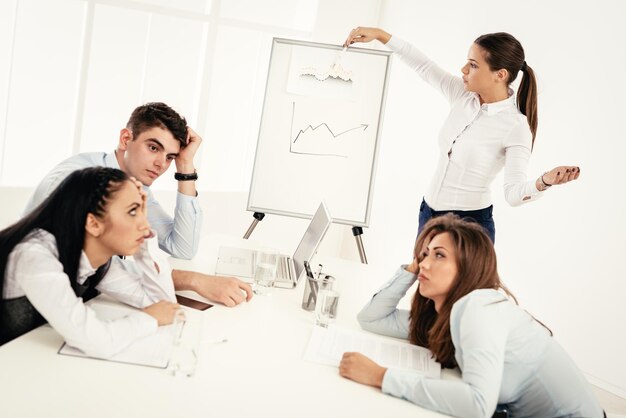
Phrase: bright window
pixel 72 71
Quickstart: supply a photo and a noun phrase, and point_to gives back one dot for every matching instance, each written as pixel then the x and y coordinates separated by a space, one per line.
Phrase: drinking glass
pixel 266 261
pixel 186 344
pixel 326 306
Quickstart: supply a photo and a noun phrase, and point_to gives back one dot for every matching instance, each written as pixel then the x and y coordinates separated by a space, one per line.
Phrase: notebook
pixel 232 261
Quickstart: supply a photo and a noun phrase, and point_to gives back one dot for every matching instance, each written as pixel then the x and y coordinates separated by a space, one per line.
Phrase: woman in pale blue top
pixel 463 314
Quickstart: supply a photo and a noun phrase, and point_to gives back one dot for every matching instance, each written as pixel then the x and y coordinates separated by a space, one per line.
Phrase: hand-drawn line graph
pixel 324 139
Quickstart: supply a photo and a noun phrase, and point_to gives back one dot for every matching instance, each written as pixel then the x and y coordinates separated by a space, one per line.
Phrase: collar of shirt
pixel 84 268
pixel 497 107
pixel 110 160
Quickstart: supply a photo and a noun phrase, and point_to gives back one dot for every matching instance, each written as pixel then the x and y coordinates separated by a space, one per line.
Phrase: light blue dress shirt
pixel 178 236
pixel 504 355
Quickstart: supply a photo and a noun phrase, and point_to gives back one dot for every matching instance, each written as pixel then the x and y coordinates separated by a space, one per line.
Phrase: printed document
pixel 153 350
pixel 327 346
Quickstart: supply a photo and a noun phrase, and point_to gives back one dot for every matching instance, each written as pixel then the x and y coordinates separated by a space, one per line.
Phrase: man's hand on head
pixel 184 160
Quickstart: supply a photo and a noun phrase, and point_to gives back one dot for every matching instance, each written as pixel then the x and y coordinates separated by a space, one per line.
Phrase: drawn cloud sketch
pixel 322 73
pixel 336 70
pixel 328 135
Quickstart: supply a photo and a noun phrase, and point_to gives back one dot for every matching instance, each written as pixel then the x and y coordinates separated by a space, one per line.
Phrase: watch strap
pixel 186 177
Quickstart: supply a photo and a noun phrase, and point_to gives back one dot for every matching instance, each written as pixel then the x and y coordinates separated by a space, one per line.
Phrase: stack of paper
pixel 327 346
pixel 153 350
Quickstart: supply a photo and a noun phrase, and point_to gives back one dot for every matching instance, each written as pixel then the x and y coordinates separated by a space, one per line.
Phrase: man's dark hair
pixel 158 115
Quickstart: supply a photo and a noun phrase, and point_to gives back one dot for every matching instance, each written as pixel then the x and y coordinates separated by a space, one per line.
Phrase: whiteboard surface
pixel 319 133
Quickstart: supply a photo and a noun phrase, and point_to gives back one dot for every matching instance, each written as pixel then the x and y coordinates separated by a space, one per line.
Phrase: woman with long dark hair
pixel 487 129
pixel 59 256
pixel 463 313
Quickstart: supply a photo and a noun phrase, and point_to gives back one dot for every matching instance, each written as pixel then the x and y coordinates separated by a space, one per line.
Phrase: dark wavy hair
pixel 503 51
pixel 476 269
pixel 64 214
pixel 158 115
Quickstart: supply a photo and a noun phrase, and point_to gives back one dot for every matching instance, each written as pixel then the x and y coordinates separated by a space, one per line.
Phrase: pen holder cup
pixel 313 285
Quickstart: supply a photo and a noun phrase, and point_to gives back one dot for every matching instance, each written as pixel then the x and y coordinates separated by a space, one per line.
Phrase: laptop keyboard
pixel 283 272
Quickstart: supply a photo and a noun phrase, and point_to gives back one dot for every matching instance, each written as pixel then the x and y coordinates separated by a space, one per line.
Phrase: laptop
pixel 232 261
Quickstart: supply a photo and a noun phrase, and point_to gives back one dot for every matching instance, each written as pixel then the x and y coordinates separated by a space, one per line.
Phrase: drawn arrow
pixel 363 126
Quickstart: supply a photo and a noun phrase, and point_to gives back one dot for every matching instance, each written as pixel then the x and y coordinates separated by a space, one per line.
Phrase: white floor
pixel 614 406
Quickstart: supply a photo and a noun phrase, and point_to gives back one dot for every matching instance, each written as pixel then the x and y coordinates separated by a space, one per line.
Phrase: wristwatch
pixel 186 177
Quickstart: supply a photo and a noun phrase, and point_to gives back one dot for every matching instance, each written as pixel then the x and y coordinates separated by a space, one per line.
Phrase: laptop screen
pixel 312 238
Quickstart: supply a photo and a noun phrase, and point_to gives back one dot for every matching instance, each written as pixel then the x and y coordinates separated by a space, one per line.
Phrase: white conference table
pixel 258 372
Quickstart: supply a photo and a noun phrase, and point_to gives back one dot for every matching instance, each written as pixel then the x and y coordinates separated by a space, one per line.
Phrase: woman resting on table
pixel 59 256
pixel 463 314
pixel 487 129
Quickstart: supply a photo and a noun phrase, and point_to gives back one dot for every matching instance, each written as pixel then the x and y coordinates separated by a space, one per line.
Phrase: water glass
pixel 184 355
pixel 266 261
pixel 326 306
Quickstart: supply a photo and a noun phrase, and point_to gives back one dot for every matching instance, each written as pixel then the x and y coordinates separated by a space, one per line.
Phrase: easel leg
pixel 357 231
pixel 258 216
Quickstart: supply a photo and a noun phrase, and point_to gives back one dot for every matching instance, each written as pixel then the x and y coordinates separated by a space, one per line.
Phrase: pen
pixel 312 284
pixel 319 271
pixel 307 268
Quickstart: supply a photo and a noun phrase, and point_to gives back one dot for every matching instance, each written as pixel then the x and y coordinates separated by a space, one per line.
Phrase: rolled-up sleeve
pixel 180 235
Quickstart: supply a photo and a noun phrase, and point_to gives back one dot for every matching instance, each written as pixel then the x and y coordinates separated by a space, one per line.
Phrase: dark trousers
pixel 484 217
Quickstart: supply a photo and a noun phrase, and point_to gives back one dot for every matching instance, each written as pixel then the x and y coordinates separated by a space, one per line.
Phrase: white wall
pixel 562 256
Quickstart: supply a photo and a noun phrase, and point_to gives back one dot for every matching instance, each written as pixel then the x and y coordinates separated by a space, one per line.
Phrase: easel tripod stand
pixel 357 231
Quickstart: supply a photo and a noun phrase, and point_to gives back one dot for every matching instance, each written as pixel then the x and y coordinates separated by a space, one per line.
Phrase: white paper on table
pixel 153 350
pixel 327 346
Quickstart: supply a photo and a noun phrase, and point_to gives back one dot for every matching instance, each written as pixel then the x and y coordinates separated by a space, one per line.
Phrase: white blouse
pixel 475 142
pixel 34 270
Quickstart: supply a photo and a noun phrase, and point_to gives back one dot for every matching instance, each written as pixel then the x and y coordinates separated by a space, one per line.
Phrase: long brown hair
pixel 503 51
pixel 476 269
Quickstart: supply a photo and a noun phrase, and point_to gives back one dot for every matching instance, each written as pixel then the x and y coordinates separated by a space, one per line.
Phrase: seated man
pixel 154 136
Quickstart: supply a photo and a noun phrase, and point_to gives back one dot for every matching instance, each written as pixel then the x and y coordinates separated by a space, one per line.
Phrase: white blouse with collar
pixel 475 142
pixel 34 270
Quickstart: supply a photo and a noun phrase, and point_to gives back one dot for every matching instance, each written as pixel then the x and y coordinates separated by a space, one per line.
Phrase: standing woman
pixel 488 128
pixel 59 256
pixel 461 312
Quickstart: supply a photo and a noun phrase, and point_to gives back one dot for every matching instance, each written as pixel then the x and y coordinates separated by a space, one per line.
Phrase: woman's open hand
pixel 561 175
